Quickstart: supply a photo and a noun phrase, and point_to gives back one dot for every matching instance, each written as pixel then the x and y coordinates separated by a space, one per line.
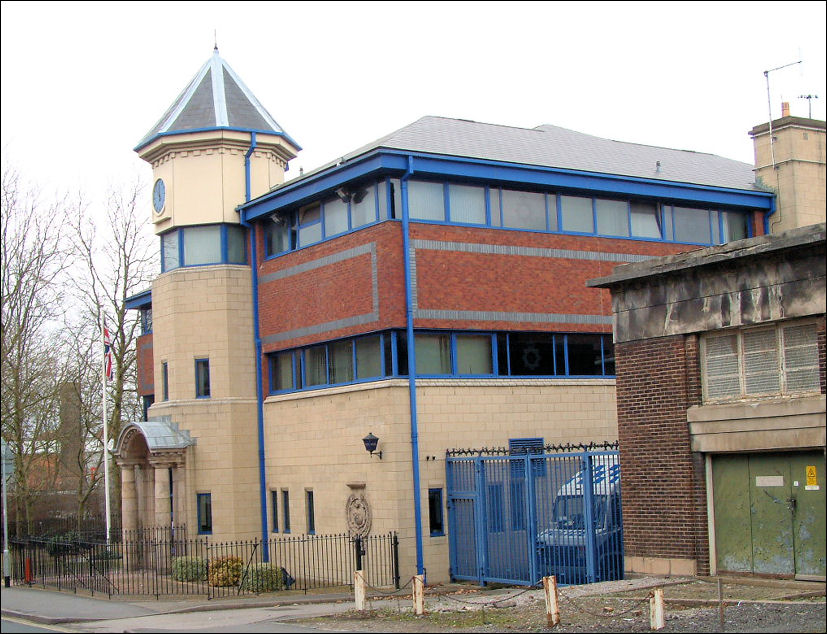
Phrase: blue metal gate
pixel 517 518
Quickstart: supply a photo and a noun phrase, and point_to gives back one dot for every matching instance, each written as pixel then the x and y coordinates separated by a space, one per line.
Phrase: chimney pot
pixel 785 108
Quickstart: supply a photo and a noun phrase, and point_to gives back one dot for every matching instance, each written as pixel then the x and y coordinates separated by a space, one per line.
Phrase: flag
pixel 107 354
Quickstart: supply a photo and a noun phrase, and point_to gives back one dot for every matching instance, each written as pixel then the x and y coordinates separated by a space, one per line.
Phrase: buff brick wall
pixel 206 312
pixel 664 494
pixel 314 442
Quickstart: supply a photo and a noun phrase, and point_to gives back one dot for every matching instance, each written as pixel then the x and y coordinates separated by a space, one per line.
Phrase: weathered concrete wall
pixel 748 282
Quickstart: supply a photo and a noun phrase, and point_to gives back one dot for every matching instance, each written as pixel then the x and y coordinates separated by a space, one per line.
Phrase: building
pixel 288 318
pixel 720 359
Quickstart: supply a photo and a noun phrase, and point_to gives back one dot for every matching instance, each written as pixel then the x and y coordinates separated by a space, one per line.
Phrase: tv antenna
pixel 769 103
pixel 809 99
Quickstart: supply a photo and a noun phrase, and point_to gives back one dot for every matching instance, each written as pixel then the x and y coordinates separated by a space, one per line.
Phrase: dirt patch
pixel 691 606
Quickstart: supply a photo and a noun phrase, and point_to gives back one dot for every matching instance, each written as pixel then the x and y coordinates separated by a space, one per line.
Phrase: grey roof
pixel 160 433
pixel 215 98
pixel 553 146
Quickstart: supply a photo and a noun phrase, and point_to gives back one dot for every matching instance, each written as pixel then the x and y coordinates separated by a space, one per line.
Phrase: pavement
pixel 93 614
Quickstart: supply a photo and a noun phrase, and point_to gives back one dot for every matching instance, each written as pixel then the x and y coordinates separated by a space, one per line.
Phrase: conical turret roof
pixel 216 98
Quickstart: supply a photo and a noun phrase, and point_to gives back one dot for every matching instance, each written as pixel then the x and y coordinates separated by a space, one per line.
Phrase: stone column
pixel 129 496
pixel 163 511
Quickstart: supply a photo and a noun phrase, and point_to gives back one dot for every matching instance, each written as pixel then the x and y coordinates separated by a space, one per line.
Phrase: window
pixel 147 401
pixel 426 201
pixel 316 365
pixel 433 354
pixel 692 225
pixel 435 512
pixel 645 220
pixel 523 210
pixel 760 362
pixel 204 513
pixel 207 244
pixel 281 372
pixel 368 357
pixel 612 217
pixel 236 244
pixel 274 501
pixel 474 354
pixel 341 361
pixel 279 235
pixel 533 354
pixel 202 378
pixel 146 321
pixel 577 214
pixel 363 206
pixel 285 509
pixel 310 225
pixel 164 381
pixel 466 204
pixel 584 355
pixel 169 251
pixel 202 245
pixel 335 217
pixel 311 513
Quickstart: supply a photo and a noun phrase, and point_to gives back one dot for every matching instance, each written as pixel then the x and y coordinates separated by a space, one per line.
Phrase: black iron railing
pixel 162 562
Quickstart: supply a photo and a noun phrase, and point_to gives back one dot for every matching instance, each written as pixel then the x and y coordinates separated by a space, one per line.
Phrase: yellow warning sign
pixel 811 475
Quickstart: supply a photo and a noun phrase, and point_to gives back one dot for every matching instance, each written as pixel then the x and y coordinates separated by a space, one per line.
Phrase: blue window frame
pixel 202 378
pixel 311 512
pixel 147 402
pixel 486 205
pixel 435 512
pixel 204 503
pixel 203 245
pixel 285 510
pixel 442 354
pixel 164 381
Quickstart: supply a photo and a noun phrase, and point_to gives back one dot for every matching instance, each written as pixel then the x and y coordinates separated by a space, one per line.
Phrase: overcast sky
pixel 83 82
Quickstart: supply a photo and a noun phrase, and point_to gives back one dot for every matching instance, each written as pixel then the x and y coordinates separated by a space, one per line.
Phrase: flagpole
pixel 105 439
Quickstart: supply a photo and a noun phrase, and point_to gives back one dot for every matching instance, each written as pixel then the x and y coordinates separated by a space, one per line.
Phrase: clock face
pixel 158 195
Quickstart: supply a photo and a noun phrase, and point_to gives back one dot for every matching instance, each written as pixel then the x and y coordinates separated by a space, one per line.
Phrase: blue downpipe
pixel 420 566
pixel 259 373
pixel 767 216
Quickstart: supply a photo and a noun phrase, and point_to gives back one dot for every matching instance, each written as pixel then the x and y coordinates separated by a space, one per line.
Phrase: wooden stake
pixel 552 601
pixel 359 590
pixel 656 616
pixel 419 594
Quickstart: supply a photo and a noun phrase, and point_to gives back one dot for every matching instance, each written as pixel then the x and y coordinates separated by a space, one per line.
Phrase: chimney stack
pixel 785 109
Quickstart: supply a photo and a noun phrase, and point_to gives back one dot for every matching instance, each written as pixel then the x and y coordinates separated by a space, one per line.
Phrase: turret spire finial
pixel 215 40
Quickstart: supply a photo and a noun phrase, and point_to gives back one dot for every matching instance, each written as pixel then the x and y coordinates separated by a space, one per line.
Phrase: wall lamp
pixel 370 444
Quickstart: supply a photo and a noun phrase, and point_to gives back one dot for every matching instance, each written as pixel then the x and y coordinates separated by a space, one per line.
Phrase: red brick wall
pixel 446 280
pixel 664 491
pixel 146 369
pixel 461 281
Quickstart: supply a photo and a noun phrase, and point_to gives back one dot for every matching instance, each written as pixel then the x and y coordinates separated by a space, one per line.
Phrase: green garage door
pixel 770 513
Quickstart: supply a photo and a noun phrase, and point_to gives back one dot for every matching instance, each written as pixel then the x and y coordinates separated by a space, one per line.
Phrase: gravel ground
pixel 621 606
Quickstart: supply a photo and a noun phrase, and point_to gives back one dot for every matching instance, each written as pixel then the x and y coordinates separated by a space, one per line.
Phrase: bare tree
pixel 116 260
pixel 32 261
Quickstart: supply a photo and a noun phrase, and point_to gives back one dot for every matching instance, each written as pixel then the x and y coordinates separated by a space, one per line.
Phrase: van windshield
pixel 568 511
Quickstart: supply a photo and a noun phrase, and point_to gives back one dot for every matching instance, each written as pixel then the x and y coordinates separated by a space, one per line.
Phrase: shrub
pixel 225 571
pixel 65 544
pixel 263 578
pixel 189 569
